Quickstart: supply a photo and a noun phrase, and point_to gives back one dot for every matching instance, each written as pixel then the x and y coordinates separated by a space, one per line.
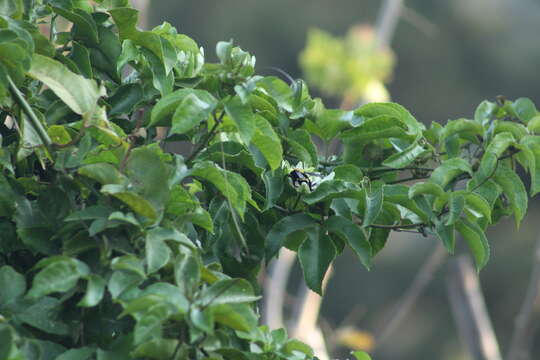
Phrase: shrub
pixel 113 248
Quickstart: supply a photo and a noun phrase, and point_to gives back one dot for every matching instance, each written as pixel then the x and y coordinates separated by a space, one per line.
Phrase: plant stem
pixel 36 124
pixel 207 138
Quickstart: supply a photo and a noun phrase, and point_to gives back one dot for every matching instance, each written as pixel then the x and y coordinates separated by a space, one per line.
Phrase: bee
pixel 300 177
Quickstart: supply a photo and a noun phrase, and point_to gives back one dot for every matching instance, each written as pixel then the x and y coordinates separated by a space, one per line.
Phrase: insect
pixel 300 177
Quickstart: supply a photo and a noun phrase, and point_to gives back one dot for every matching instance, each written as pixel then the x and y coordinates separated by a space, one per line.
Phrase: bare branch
pixel 275 288
pixel 527 320
pixel 470 313
pixel 405 304
pixel 387 21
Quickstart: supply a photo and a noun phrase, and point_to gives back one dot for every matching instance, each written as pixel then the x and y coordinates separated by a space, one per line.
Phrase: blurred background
pixel 447 57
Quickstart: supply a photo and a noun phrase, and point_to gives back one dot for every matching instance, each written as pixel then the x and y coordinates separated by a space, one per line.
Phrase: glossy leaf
pixel 476 240
pixel 316 254
pixel 374 203
pixel 243 118
pixel 449 169
pixel 59 275
pixel 268 142
pixel 12 283
pixel 514 190
pixel 94 291
pixel 353 235
pixel 456 204
pixel 80 94
pixel 282 228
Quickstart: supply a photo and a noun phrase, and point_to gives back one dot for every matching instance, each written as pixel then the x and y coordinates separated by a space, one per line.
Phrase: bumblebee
pixel 300 177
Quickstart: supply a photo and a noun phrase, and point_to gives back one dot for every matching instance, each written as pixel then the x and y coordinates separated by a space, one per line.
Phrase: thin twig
pixel 526 322
pixel 207 138
pixel 36 124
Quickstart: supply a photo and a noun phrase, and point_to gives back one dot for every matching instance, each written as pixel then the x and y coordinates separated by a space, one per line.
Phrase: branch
pixel 207 139
pixel 387 22
pixel 275 288
pixel 36 124
pixel 405 304
pixel 526 322
pixel 470 313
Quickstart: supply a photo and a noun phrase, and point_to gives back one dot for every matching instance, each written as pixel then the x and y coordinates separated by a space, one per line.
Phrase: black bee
pixel 300 177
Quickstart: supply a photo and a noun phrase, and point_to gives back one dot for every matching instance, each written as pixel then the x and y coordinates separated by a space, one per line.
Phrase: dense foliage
pixel 112 248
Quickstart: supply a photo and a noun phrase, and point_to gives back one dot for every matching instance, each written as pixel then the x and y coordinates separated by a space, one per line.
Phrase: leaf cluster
pixel 113 248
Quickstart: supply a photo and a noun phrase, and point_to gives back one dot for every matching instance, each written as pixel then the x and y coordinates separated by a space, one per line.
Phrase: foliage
pixel 113 248
pixel 352 67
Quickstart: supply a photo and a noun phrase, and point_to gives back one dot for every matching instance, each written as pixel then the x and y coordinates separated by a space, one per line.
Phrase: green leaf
pixel 425 188
pixel 82 353
pixel 164 109
pixel 316 254
pixel 94 291
pixel 126 21
pixel 12 284
pixel 80 94
pixel 456 204
pixel 60 275
pixel 122 281
pixel 267 141
pixel 156 349
pixel 353 235
pixel 103 173
pixel 44 315
pixel 149 325
pixel 203 319
pixel 239 317
pixel 361 355
pixel 524 109
pixel 187 273
pixel 405 157
pixel 374 203
pixel 59 134
pixel 158 254
pixel 446 234
pixel 484 112
pixel 125 99
pixel 461 127
pixel 85 27
pixel 476 240
pixel 394 110
pixel 190 112
pixel 273 183
pixel 514 190
pixel 243 118
pixel 163 234
pixel 278 90
pixel 533 143
pixel 380 127
pixel 332 189
pixel 302 146
pixel 449 169
pixel 129 263
pixel 282 228
pixel 228 291
pixel 232 185
pixel 11 8
pixel 399 194
pixel 500 143
pixel 348 172
pixel 131 199
pixel 332 122
pixel 81 57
